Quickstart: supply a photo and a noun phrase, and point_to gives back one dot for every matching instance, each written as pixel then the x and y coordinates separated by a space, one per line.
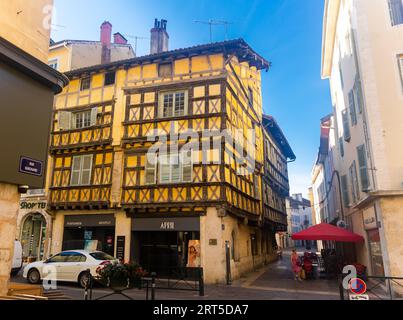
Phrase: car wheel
pixel 83 279
pixel 34 276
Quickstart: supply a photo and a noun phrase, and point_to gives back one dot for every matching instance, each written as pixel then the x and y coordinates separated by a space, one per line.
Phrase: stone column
pixel 9 203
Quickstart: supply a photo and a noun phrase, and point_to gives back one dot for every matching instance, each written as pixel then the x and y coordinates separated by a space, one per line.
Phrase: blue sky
pixel 286 32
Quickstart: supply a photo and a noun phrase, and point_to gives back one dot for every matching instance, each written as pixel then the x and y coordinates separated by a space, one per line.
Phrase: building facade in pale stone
pixel 362 58
pixel 27 88
pixel 299 216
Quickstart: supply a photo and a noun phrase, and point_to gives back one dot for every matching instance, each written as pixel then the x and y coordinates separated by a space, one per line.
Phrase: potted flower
pixel 120 276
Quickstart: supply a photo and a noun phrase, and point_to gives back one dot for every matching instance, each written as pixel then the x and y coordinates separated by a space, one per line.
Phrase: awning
pixel 327 232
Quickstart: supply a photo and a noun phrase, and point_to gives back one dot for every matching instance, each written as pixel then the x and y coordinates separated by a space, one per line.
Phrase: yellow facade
pixel 218 93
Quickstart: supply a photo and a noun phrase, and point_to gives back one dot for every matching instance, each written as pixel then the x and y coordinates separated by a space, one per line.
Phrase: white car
pixel 69 266
pixel 17 258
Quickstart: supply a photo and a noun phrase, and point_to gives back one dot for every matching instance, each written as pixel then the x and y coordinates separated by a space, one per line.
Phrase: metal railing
pixel 378 288
pixel 182 279
pixel 179 278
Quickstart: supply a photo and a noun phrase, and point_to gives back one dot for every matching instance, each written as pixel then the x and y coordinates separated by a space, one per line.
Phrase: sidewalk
pixel 278 277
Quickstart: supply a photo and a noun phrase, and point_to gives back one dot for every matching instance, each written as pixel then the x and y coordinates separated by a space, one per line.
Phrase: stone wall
pixel 9 202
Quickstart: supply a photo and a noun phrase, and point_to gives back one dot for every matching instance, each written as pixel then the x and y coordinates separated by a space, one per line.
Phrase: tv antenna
pixel 136 38
pixel 212 23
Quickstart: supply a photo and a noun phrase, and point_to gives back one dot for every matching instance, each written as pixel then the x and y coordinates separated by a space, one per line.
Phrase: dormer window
pixel 85 83
pixel 110 78
pixel 165 70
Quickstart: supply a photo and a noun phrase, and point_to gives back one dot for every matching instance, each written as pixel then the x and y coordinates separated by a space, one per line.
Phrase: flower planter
pixel 119 277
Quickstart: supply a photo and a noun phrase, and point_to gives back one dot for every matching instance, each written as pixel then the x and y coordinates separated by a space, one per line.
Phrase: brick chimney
pixel 159 37
pixel 118 38
pixel 106 35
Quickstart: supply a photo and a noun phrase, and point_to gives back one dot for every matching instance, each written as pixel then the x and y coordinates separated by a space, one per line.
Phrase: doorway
pixel 33 236
pixel 161 252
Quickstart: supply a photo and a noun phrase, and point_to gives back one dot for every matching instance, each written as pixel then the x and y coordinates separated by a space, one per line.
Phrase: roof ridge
pixel 240 41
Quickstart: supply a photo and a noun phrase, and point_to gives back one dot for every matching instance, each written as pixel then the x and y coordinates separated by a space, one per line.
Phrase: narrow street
pixel 272 282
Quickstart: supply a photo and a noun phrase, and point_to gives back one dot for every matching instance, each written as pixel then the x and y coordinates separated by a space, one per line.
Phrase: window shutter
pixel 161 105
pixel 344 187
pixel 86 163
pixel 151 162
pixel 64 119
pixel 164 169
pixel 396 11
pixel 187 167
pixel 354 183
pixel 175 168
pixel 94 115
pixel 346 126
pixel 358 94
pixel 351 105
pixel 362 164
pixel 341 146
pixel 75 171
pixel 256 186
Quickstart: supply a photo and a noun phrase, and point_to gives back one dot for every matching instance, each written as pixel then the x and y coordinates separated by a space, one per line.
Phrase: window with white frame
pixel 81 170
pixel 396 11
pixel 82 119
pixel 173 104
pixel 85 83
pixel 54 64
pixel 172 168
pixel 77 120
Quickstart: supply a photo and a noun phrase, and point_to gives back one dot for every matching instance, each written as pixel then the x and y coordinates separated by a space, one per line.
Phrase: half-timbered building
pixel 160 155
pixel 276 188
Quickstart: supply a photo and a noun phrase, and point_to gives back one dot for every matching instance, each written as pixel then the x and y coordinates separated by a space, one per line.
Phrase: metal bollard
pixel 201 283
pixel 87 285
pixel 153 275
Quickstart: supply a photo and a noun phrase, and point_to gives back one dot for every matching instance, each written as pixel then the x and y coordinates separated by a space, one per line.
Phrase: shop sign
pixel 37 205
pixel 166 224
pixel 369 217
pixel 93 220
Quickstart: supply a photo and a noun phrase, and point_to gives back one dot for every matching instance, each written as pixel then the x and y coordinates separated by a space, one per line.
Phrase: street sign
pixel 358 286
pixel 359 297
pixel 31 166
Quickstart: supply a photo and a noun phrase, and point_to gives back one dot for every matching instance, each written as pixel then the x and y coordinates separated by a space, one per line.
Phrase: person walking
pixel 296 265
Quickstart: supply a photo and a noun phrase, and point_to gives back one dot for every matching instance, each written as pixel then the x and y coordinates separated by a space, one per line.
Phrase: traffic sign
pixel 358 286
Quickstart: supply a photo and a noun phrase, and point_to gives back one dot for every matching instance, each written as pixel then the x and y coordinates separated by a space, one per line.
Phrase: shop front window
pixel 33 237
pixel 376 253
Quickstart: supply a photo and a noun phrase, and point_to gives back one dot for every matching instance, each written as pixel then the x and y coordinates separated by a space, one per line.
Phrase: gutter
pixel 32 67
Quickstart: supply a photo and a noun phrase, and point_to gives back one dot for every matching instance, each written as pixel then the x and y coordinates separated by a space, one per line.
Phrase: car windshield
pixel 101 256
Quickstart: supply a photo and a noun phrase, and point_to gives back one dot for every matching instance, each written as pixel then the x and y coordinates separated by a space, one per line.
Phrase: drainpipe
pixel 70 55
